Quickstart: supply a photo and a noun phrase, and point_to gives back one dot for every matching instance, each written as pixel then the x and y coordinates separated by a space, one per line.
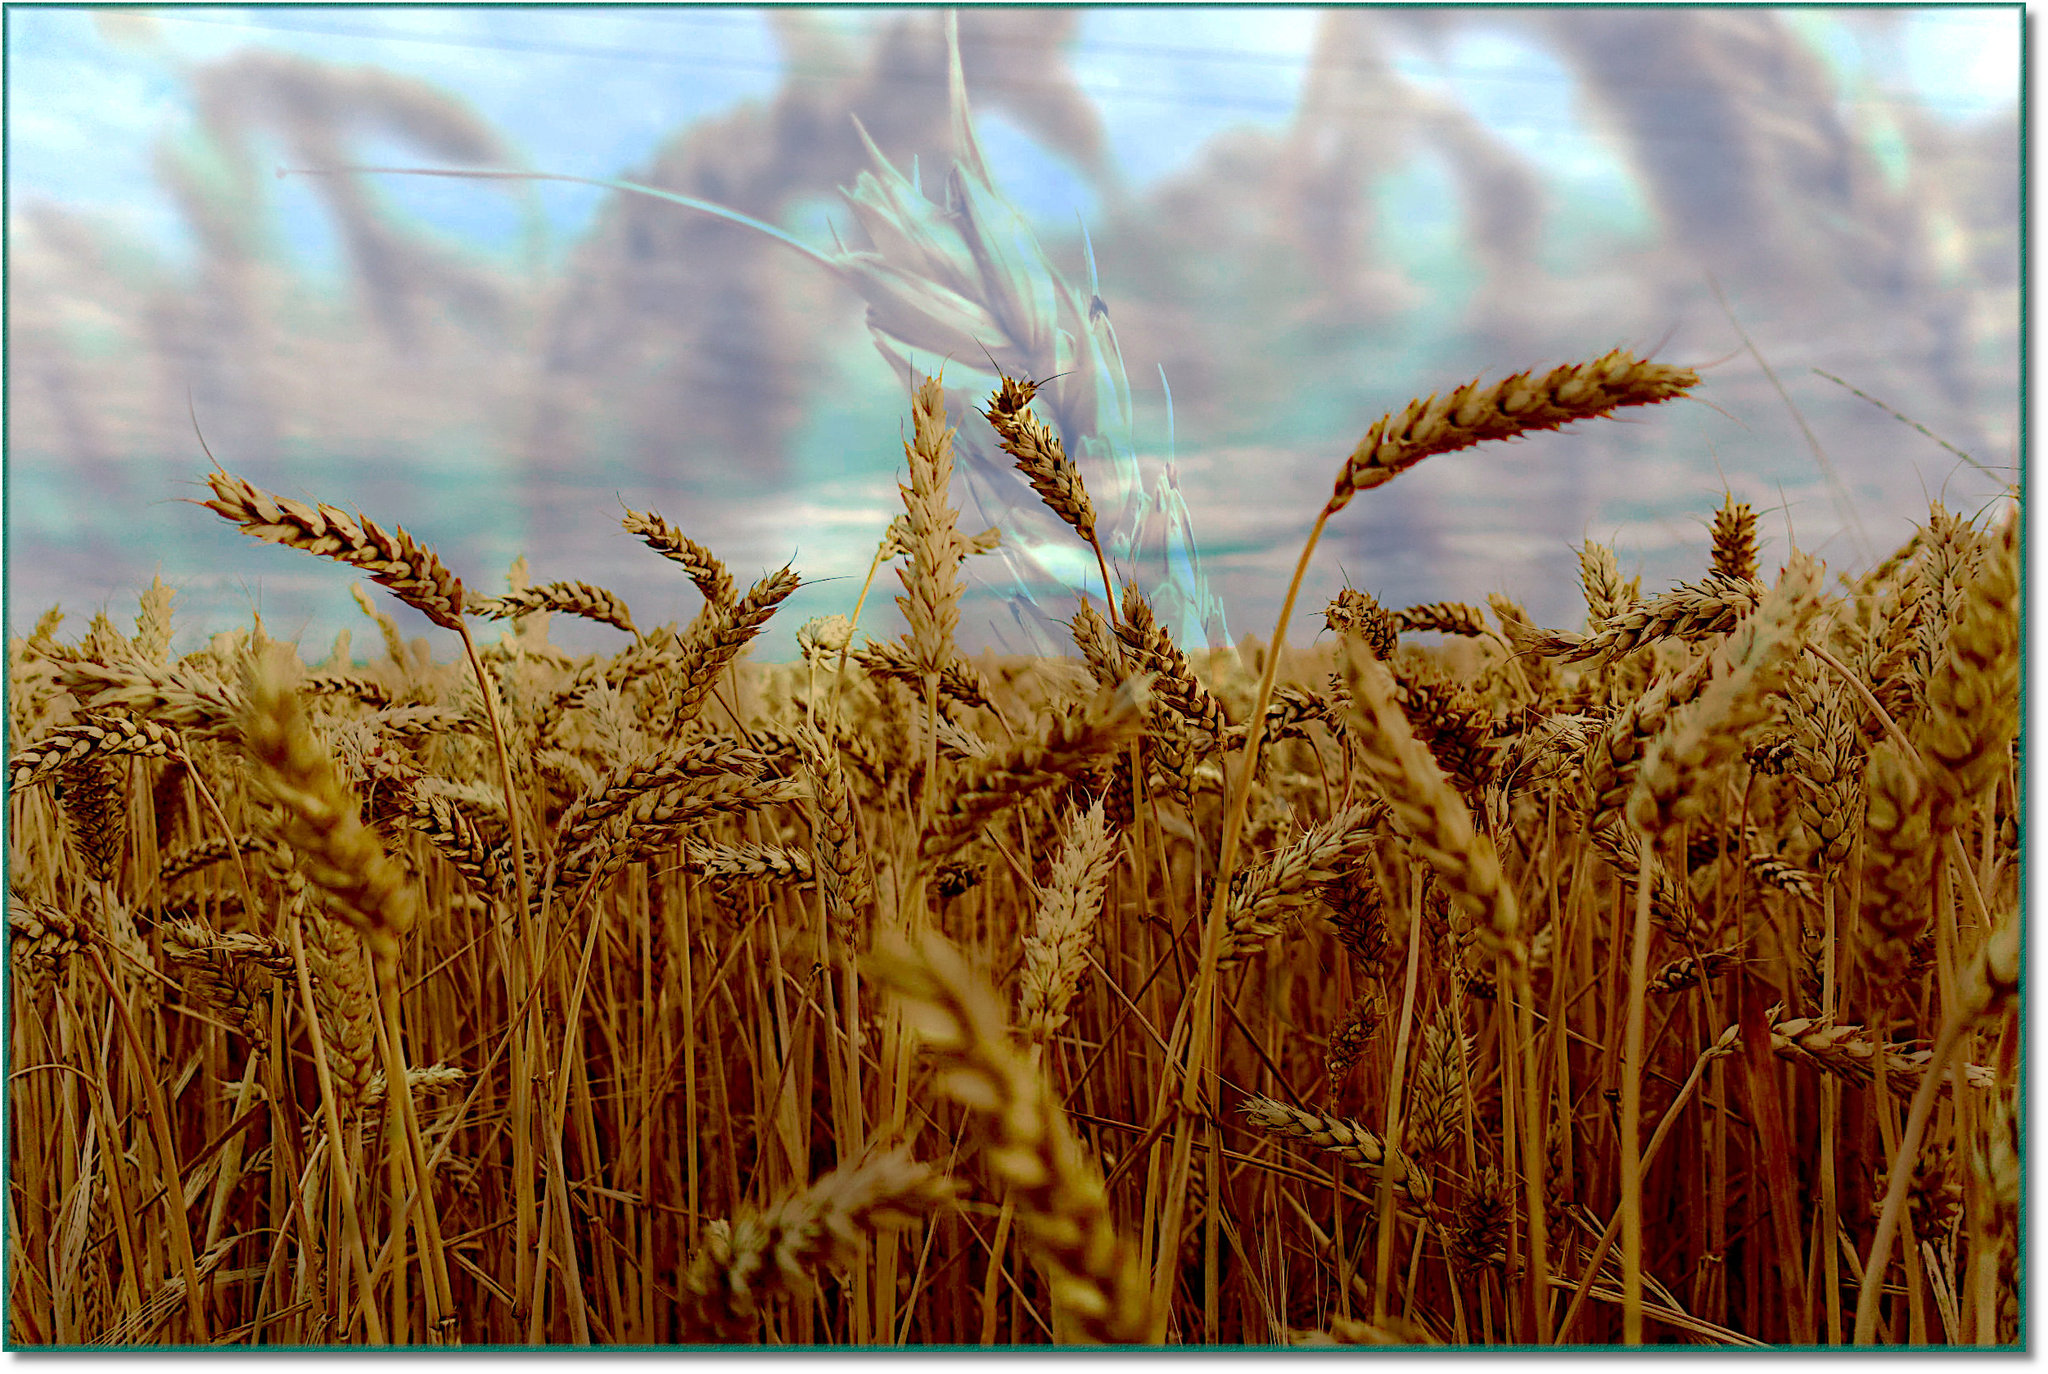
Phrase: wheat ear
pixel 395 559
pixel 1734 539
pixel 1426 809
pixel 931 584
pixel 1441 617
pixel 1056 951
pixel 1521 404
pixel 570 598
pixel 318 818
pixel 94 737
pixel 1347 1140
pixel 699 563
pixel 848 878
pixel 1972 696
pixel 1030 1147
pixel 1689 612
pixel 181 696
pixel 1671 784
pixel 1067 746
pixel 743 1264
pixel 1042 458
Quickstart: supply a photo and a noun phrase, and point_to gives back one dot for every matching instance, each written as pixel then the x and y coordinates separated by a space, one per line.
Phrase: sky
pixel 1298 219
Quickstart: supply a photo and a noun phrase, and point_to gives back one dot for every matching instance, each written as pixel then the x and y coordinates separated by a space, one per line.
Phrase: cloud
pixel 1366 206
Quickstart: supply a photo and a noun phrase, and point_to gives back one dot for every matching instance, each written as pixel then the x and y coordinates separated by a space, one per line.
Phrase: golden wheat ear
pixel 393 559
pixel 1522 404
pixel 1030 1147
pixel 317 818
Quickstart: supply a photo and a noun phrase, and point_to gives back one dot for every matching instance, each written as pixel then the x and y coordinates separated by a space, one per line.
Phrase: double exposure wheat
pixel 1458 981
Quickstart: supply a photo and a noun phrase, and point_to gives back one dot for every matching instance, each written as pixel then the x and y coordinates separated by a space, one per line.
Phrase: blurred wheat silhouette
pixel 965 278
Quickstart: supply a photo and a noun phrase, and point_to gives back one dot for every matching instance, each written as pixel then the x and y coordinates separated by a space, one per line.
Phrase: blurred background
pixel 1298 220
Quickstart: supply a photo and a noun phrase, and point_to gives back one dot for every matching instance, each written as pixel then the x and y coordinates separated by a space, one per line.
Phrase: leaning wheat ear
pixel 1521 404
pixel 1473 414
pixel 1427 810
pixel 1062 1209
pixel 318 818
pixel 394 559
pixel 740 1266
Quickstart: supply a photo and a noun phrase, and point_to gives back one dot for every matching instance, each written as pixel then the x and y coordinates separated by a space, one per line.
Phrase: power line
pixel 1452 74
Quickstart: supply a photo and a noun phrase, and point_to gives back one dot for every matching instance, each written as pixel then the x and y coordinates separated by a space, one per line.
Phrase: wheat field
pixel 1418 976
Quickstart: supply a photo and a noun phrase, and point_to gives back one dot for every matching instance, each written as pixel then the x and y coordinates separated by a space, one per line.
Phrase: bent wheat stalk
pixel 1472 414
